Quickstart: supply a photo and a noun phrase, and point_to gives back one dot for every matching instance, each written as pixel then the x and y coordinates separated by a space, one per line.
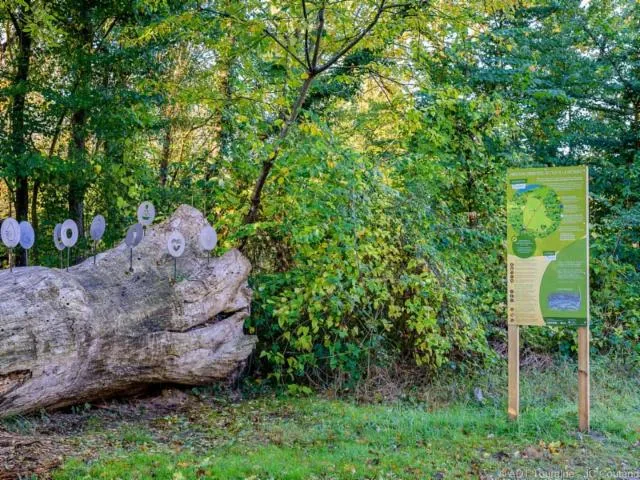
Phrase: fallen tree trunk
pixel 98 331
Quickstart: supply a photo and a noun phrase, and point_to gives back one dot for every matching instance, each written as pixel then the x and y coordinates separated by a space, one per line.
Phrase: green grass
pixel 425 436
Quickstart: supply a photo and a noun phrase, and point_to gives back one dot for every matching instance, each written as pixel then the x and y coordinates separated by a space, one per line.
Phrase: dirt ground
pixel 36 445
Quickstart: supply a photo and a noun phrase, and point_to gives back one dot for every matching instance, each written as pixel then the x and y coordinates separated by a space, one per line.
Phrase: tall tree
pixel 320 46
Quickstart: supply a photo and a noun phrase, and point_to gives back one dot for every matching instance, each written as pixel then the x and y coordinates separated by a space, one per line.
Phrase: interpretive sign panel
pixel 548 246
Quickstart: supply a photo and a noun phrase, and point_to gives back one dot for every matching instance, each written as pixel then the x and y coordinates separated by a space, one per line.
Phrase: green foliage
pixel 359 282
pixel 381 226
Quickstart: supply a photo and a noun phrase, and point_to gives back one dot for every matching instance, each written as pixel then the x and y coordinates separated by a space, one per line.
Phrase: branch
pixel 285 48
pixel 56 135
pixel 354 42
pixel 306 32
pixel 382 88
pixel 106 33
pixel 316 47
pixel 16 23
pixel 220 13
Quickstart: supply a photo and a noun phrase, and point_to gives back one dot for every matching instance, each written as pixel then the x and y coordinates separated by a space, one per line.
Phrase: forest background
pixel 355 151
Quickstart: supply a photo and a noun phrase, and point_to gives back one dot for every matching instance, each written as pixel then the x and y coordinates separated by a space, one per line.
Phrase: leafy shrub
pixel 357 285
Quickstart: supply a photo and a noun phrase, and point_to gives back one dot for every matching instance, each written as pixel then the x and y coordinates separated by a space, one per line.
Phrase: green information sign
pixel 548 246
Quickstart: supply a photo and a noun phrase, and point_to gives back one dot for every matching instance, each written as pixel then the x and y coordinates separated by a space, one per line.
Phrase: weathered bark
pixel 98 331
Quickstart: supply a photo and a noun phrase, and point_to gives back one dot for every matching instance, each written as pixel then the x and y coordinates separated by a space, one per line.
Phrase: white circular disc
pixel 10 232
pixel 208 238
pixel 69 233
pixel 98 225
pixel 27 235
pixel 146 213
pixel 57 237
pixel 134 235
pixel 175 243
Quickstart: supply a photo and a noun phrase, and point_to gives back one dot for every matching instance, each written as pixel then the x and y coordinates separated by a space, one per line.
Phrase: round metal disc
pixel 57 237
pixel 175 243
pixel 27 235
pixel 208 238
pixel 134 235
pixel 10 232
pixel 146 213
pixel 98 225
pixel 69 233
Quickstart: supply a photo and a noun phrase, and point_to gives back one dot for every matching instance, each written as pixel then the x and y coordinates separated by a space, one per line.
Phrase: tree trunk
pixel 35 220
pixel 267 165
pixel 166 155
pixel 222 119
pixel 17 114
pixel 77 151
pixel 100 330
pixel 78 182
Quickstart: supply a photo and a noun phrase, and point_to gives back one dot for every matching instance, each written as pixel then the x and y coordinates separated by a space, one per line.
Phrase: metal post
pixel 11 260
pixel 131 259
pixel 68 255
pixel 175 269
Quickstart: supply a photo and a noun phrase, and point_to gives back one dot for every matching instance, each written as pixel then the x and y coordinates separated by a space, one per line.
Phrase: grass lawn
pixel 439 431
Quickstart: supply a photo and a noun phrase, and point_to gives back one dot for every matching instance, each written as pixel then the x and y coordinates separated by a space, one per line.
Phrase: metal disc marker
pixel 69 236
pixel 27 237
pixel 208 240
pixel 96 231
pixel 69 233
pixel 57 240
pixel 133 238
pixel 146 213
pixel 98 225
pixel 175 245
pixel 10 233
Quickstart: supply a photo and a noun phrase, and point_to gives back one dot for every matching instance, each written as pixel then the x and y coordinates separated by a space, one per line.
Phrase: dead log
pixel 99 331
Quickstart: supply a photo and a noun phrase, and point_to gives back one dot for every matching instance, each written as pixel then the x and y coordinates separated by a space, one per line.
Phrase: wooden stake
pixel 584 380
pixel 584 388
pixel 514 371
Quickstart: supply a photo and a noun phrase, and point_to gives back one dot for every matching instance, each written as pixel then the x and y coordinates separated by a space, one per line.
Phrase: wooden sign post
pixel 514 371
pixel 548 266
pixel 584 388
